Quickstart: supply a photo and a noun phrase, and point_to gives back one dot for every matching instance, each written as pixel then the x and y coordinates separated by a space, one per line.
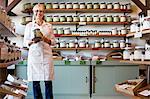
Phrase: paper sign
pixel 137 35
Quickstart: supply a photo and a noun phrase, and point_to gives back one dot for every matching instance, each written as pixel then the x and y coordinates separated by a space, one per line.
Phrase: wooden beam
pixel 12 5
pixel 148 4
pixel 140 4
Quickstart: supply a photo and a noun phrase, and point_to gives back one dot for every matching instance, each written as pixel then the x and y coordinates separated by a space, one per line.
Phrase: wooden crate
pixel 142 89
pixel 130 87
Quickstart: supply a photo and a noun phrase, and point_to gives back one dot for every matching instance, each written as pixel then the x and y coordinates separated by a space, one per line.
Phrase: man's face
pixel 38 12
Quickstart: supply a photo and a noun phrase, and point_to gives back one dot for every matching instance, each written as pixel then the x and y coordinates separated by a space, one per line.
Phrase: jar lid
pixel 75 3
pixel 62 16
pixel 116 3
pixel 69 3
pixel 109 16
pixel 56 16
pixel 109 3
pixel 69 16
pixel 96 15
pixel 96 3
pixel 55 2
pixel 89 3
pixel 89 16
pixel 82 3
pixel 82 16
pixel 62 2
pixel 103 3
pixel 122 40
pixel 60 28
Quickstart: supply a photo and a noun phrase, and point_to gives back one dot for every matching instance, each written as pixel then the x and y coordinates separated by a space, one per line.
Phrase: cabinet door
pixel 71 80
pixel 123 73
pixel 104 80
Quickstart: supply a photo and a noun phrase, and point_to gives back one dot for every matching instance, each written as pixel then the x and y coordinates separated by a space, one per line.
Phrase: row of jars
pixel 8 52
pixel 88 18
pixel 5 20
pixel 139 53
pixel 86 44
pixel 81 5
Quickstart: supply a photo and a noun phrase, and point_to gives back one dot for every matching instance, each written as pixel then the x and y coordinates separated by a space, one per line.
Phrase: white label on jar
pixel 137 35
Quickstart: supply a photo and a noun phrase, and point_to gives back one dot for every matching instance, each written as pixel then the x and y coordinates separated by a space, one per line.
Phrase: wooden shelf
pixel 136 62
pixel 82 11
pixel 5 65
pixel 4 31
pixel 102 35
pixel 86 48
pixel 144 32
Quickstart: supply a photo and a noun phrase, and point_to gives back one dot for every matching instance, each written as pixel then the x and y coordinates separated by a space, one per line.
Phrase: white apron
pixel 40 62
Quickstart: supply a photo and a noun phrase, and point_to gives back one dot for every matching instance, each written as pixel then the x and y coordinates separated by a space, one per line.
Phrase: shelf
pixel 82 11
pixel 5 65
pixel 102 35
pixel 136 62
pixel 147 31
pixel 4 31
pixel 86 48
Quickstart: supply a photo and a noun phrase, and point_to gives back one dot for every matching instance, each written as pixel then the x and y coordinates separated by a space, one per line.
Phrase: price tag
pixel 67 62
pixel 82 23
pixel 98 62
pixel 137 35
pixel 82 62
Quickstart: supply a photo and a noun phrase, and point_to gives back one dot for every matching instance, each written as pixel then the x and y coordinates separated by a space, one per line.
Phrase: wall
pixel 20 28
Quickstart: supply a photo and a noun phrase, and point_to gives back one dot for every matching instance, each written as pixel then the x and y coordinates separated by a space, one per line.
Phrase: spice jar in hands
pixel 37 36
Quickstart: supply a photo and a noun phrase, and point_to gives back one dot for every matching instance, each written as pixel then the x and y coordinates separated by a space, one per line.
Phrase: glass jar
pixel 109 18
pixel 67 31
pixel 109 6
pixel 89 18
pixel 60 31
pixel 129 6
pixel 76 5
pixel 23 19
pixel 71 44
pixel 56 18
pixel 49 18
pixel 82 5
pixel 62 18
pixel 115 44
pixel 48 5
pixel 69 19
pixel 82 44
pixel 96 18
pixel 97 44
pixel 116 19
pixel 103 5
pixel 123 31
pixel 69 5
pixel 28 18
pixel 82 18
pixel 55 31
pixel 89 5
pixel 62 44
pixel 117 5
pixel 114 31
pixel 76 19
pixel 123 19
pixel 138 52
pixel 55 5
pixel 106 44
pixel 62 5
pixel 128 18
pixel 96 6
pixel 103 18
pixel 27 6
pixel 126 54
pixel 122 43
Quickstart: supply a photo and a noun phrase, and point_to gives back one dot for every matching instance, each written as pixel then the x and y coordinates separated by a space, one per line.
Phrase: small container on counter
pixel 76 19
pixel 96 18
pixel 62 18
pixel 69 18
pixel 115 44
pixel 67 31
pixel 60 31
pixel 62 44
pixel 96 6
pixel 82 5
pixel 109 18
pixel 89 18
pixel 49 19
pixel 103 5
pixel 82 44
pixel 55 5
pixel 117 5
pixel 89 5
pixel 56 18
pixel 48 6
pixel 62 5
pixel 122 44
pixel 82 18
pixel 116 18
pixel 106 44
pixel 126 53
pixel 109 6
pixel 69 5
pixel 76 5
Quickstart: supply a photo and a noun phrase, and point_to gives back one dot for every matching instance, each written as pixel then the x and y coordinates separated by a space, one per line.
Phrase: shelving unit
pixel 86 48
pixel 5 65
pixel 144 32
